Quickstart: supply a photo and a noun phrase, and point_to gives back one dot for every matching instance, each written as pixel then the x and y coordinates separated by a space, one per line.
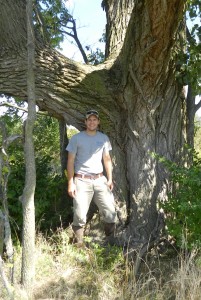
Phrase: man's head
pixel 92 112
pixel 92 121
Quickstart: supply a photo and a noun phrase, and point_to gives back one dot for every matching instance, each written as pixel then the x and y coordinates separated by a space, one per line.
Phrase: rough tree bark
pixel 28 235
pixel 65 202
pixel 140 103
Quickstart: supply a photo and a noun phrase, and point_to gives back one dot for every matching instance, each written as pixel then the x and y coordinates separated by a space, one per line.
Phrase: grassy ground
pixel 64 271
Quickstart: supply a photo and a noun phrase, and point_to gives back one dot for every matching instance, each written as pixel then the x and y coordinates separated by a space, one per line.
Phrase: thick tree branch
pixel 147 48
pixel 63 87
pixel 117 21
pixel 10 38
pixel 61 84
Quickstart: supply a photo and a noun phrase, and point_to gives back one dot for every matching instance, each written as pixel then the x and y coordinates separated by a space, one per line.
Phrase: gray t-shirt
pixel 88 150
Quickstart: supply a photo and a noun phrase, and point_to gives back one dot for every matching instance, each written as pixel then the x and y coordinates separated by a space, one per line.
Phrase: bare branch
pixel 5 280
pixel 13 106
pixel 75 37
pixel 21 108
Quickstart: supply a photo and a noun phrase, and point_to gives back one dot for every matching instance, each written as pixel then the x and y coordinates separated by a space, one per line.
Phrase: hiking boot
pixel 109 229
pixel 79 235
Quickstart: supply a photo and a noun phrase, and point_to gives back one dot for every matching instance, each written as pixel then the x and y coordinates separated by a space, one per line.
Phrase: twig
pixel 5 281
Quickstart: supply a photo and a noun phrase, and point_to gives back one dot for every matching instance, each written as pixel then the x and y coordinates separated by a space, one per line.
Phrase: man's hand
pixel 110 184
pixel 71 189
pixel 108 167
pixel 70 172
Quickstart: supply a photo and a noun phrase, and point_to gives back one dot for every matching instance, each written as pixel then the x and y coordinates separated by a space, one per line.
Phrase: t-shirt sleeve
pixel 72 145
pixel 107 145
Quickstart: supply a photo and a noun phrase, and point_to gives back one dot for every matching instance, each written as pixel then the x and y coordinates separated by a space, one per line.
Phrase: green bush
pixel 183 208
pixel 50 205
pixel 47 193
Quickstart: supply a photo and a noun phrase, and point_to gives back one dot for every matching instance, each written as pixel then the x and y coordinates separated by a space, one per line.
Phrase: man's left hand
pixel 110 184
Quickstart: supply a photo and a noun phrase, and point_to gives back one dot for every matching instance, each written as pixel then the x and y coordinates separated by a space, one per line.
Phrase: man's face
pixel 92 123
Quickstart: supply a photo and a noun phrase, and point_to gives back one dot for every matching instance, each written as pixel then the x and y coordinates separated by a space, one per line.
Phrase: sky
pixel 90 21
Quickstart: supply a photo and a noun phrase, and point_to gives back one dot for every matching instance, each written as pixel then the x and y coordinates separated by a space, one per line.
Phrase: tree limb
pixel 75 36
pixel 21 108
pixel 5 280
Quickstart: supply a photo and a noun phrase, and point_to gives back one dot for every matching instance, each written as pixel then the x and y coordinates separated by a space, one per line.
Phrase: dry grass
pixel 66 272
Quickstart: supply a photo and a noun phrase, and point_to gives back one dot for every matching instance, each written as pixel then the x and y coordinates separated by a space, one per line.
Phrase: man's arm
pixel 108 168
pixel 70 172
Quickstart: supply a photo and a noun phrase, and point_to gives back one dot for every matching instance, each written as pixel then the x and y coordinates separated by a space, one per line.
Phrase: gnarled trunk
pixel 135 91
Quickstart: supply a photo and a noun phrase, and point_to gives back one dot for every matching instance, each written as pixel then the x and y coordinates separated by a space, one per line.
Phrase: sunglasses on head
pixel 92 112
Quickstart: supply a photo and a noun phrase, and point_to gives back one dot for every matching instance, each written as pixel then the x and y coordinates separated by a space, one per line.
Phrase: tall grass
pixel 102 273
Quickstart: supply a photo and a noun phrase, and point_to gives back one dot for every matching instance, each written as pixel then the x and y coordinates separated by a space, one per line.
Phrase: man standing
pixel 86 152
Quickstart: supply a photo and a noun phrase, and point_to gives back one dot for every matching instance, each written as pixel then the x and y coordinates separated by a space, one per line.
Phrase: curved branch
pixel 63 87
pixel 5 280
pixel 21 108
pixel 78 43
pixel 75 36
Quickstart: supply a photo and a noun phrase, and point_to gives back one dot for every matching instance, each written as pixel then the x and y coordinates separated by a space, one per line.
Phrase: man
pixel 86 152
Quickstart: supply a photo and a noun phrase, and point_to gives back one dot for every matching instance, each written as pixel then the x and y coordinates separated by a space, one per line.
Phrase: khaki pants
pixel 96 189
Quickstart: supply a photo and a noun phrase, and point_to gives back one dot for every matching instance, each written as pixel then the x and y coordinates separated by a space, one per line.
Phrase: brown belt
pixel 89 176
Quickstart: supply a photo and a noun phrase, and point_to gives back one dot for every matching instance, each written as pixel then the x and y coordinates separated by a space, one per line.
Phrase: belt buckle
pixel 92 177
pixel 97 176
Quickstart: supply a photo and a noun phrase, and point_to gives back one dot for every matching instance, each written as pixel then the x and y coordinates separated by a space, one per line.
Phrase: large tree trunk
pixel 135 91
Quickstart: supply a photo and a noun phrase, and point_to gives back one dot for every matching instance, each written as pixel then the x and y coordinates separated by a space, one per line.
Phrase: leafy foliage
pixel 96 57
pixel 189 51
pixel 71 131
pixel 51 18
pixel 48 194
pixel 54 22
pixel 183 208
pixel 197 140
pixel 46 140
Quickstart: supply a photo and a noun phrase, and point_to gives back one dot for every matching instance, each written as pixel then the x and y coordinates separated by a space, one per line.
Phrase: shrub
pixel 183 208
